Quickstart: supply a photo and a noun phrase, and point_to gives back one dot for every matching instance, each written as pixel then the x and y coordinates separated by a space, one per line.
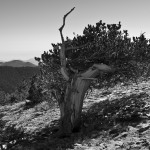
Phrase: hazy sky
pixel 28 27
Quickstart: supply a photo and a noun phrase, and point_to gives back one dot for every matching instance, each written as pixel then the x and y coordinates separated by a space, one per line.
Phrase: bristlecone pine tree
pixel 103 53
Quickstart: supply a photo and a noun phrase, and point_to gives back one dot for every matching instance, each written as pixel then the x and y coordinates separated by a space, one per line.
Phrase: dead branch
pixel 62 51
pixel 96 69
pixel 64 19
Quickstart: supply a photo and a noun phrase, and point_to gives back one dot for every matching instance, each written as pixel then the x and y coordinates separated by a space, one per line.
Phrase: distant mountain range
pixel 13 72
pixel 20 63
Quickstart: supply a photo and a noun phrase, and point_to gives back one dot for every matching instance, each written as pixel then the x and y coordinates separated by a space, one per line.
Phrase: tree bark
pixel 71 106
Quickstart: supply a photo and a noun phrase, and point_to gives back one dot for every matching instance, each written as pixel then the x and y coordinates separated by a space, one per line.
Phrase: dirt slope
pixel 113 119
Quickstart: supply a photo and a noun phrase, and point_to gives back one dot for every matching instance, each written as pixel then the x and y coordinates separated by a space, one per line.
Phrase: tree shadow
pixel 116 115
pixel 110 116
pixel 46 139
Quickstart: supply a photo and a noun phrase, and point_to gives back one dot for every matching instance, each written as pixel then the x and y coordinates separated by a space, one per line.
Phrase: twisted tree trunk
pixel 71 107
pixel 72 103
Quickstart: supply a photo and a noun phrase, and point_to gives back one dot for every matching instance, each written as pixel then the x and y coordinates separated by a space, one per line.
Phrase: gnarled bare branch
pixel 93 71
pixel 64 19
pixel 62 51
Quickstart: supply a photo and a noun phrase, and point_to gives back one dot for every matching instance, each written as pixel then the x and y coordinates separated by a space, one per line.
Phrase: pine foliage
pixel 102 43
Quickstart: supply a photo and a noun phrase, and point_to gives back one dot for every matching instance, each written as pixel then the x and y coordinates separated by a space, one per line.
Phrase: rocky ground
pixel 113 119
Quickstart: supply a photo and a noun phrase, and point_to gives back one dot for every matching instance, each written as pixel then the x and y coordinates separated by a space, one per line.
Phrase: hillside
pixel 10 77
pixel 113 119
pixel 17 63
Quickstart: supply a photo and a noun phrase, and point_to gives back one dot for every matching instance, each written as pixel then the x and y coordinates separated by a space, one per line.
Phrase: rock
pixel 27 101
